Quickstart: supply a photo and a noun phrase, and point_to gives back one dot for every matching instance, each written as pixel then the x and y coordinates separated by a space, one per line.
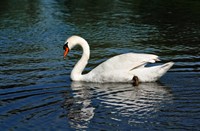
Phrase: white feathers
pixel 120 68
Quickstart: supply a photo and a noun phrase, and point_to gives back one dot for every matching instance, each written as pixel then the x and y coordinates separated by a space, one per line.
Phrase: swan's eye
pixel 65 46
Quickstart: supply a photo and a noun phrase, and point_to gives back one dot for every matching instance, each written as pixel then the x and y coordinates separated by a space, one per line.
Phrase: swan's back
pixel 119 68
pixel 127 62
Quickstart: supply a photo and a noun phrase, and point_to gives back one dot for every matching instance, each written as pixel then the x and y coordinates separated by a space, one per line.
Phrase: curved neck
pixel 76 74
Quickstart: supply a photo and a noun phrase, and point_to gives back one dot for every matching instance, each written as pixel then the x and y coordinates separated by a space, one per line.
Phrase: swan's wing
pixel 126 62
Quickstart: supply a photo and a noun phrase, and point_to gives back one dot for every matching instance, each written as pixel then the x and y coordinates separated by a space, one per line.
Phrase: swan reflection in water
pixel 137 103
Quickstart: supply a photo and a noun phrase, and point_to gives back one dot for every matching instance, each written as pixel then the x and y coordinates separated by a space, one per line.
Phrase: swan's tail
pixel 167 66
pixel 151 74
pixel 162 69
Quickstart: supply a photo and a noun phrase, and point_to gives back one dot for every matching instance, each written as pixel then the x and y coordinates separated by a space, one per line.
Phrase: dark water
pixel 35 89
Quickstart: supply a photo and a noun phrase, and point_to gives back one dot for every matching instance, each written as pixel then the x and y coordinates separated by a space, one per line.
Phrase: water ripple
pixel 118 102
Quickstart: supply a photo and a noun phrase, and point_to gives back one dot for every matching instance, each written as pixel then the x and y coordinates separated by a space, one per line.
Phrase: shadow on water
pixel 19 14
pixel 115 102
pixel 139 20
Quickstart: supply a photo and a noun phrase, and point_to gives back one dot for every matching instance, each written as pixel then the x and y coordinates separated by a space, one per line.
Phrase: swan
pixel 121 68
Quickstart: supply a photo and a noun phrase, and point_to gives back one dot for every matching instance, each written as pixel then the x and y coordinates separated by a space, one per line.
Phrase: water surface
pixel 35 88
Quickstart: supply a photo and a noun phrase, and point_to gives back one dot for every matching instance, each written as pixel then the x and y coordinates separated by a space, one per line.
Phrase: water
pixel 35 89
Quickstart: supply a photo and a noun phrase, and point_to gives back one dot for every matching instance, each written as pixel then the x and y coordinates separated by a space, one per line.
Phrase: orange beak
pixel 66 52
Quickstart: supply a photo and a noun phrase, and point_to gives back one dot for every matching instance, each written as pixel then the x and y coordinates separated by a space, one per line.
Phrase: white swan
pixel 120 68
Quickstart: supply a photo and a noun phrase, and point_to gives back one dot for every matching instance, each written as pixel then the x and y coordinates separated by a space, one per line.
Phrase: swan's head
pixel 71 42
pixel 66 49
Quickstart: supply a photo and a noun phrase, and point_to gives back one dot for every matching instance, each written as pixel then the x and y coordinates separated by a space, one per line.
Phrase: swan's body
pixel 120 68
